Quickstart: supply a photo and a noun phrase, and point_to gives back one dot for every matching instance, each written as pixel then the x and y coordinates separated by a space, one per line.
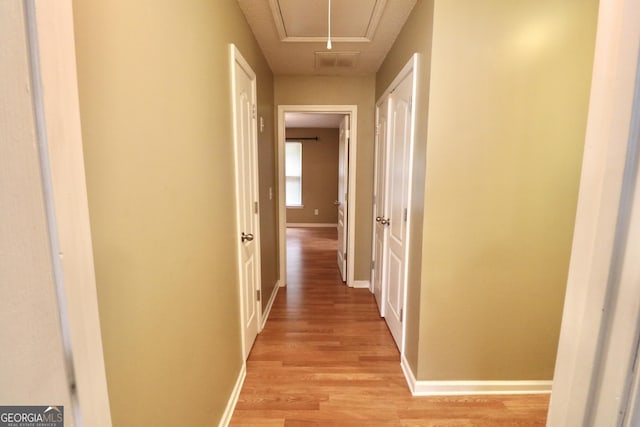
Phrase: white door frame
pixel 352 111
pixel 412 66
pixel 237 58
pixel 596 289
pixel 57 112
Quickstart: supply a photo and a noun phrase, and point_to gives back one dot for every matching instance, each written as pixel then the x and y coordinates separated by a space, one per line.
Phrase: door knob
pixel 246 237
pixel 336 202
pixel 378 218
pixel 385 221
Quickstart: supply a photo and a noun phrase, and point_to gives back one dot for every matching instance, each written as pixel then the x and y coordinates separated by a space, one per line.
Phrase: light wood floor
pixel 325 357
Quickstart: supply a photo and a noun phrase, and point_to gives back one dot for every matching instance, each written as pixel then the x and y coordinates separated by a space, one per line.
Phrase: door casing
pixel 51 46
pixel 352 112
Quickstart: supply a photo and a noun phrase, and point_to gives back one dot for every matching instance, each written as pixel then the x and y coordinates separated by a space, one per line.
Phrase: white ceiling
pixel 293 33
pixel 312 120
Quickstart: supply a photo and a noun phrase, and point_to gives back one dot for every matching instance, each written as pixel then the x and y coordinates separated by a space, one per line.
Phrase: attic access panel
pixel 306 20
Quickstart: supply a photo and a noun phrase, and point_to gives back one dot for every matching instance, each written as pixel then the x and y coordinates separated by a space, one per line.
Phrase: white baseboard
pixel 361 284
pixel 408 374
pixel 457 388
pixel 233 398
pixel 310 224
pixel 265 314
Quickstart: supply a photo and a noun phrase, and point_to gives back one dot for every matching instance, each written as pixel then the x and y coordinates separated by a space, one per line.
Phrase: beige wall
pixel 504 153
pixel 32 368
pixel 319 176
pixel 324 90
pixel 157 129
pixel 508 97
pixel 415 37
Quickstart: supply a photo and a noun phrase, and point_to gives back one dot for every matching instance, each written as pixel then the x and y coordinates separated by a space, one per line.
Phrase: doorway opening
pixel 340 124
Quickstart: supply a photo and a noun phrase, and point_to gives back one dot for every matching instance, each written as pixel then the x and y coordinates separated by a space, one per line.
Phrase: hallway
pixel 325 357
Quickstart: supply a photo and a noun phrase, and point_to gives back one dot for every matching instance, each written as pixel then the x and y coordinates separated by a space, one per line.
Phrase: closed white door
pixel 395 221
pixel 343 179
pixel 380 204
pixel 247 198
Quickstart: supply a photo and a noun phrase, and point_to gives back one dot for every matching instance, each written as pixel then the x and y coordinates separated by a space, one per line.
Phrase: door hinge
pixel 255 207
pixel 410 103
pixel 373 264
pixel 253 111
pixel 405 214
pixel 401 313
pixel 377 129
pixel 347 134
pixel 258 295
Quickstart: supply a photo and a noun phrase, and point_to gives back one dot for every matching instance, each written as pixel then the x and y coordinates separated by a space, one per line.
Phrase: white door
pixel 244 104
pixel 400 130
pixel 380 204
pixel 343 179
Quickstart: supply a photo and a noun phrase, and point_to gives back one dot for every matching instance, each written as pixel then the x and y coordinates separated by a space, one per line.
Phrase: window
pixel 293 172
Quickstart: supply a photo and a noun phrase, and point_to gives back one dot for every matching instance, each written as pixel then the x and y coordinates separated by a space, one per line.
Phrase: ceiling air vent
pixel 337 59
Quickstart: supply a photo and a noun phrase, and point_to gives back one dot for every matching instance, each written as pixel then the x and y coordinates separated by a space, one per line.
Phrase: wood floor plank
pixel 326 358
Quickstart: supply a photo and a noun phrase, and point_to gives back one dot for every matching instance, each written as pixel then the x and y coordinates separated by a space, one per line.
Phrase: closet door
pixel 380 203
pixel 398 176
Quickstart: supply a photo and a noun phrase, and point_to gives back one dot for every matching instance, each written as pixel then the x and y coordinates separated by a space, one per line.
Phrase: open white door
pixel 400 136
pixel 248 221
pixel 343 180
pixel 380 204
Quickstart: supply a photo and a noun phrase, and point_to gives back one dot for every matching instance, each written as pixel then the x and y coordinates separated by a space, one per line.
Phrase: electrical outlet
pixel 315 212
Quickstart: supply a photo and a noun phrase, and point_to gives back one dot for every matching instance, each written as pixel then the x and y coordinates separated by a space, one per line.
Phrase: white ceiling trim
pixel 324 39
pixel 376 15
